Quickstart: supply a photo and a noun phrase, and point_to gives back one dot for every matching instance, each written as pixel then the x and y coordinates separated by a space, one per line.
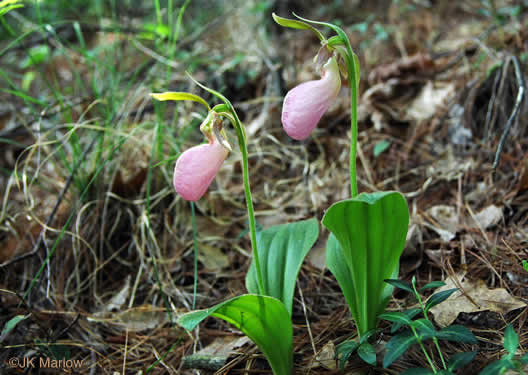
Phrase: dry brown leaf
pixel 413 240
pixel 412 66
pixel 317 256
pixel 449 167
pixel 439 256
pixel 215 355
pixel 212 257
pixel 429 100
pixel 488 217
pixel 326 357
pixel 135 319
pixel 119 298
pixel 485 299
pixel 523 180
pixel 445 221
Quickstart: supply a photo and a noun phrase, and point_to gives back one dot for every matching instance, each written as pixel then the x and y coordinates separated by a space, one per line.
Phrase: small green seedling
pixel 422 329
pixel 508 361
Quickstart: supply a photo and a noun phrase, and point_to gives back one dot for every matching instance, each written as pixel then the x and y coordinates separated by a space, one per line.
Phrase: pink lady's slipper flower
pixel 304 105
pixel 197 167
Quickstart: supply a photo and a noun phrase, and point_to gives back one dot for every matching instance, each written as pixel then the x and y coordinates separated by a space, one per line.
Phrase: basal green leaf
pixel 397 346
pixel 263 319
pixel 459 360
pixel 367 353
pixel 335 260
pixel 524 359
pixel 511 340
pixel 180 96
pixel 370 230
pixel 457 333
pixel 282 250
pixel 438 298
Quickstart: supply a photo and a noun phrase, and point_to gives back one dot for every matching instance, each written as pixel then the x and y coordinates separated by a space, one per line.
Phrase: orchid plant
pixel 368 231
pixel 264 315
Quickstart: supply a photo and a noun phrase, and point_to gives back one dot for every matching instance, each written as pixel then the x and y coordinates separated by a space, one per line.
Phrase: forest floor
pixel 97 250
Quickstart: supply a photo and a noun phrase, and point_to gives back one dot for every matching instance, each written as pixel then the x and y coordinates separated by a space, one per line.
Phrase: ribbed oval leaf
pixel 263 319
pixel 282 250
pixel 336 262
pixel 370 230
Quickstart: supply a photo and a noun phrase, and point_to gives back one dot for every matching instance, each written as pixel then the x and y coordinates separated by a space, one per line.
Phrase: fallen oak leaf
pixel 476 297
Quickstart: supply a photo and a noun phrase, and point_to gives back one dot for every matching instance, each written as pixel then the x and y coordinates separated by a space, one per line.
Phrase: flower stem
pixel 195 247
pixel 241 135
pixel 352 64
pixel 354 131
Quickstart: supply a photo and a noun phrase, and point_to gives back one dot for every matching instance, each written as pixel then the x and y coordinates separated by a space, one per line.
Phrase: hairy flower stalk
pixel 197 167
pixel 306 103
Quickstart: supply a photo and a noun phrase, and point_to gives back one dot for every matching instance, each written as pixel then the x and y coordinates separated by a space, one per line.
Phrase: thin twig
pixel 515 111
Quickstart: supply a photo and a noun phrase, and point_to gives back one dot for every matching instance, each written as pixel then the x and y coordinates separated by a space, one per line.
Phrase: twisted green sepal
pixel 263 319
pixel 282 250
pixel 368 236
